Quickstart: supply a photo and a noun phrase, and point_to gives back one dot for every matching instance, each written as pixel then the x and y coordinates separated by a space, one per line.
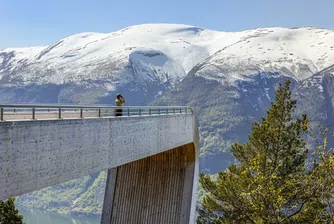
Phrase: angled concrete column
pixel 156 189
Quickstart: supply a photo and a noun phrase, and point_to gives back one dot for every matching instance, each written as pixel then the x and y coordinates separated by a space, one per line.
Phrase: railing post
pixel 180 110
pixel 100 115
pixel 186 110
pixel 159 111
pixel 150 111
pixel 173 110
pixel 139 111
pixel 14 110
pixel 128 112
pixel 81 113
pixel 33 113
pixel 167 111
pixel 59 113
pixel 1 114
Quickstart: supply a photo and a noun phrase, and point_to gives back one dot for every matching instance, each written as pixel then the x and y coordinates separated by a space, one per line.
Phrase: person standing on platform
pixel 119 103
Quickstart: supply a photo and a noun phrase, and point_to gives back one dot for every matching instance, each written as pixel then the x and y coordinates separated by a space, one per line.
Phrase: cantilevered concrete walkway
pixel 151 154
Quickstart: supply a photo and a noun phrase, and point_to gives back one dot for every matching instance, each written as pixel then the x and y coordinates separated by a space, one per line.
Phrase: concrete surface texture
pixel 156 189
pixel 41 153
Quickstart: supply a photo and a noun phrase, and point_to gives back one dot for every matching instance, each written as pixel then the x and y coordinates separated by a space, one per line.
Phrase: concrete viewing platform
pixel 151 154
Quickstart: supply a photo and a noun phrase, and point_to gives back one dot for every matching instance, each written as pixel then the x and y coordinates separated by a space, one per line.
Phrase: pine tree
pixel 269 183
pixel 8 213
pixel 323 174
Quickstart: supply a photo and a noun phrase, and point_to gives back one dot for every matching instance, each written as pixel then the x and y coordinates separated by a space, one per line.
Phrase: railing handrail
pixel 85 106
pixel 35 109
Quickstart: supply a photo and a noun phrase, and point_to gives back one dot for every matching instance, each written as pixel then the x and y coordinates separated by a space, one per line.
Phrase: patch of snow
pixel 321 89
pixel 267 93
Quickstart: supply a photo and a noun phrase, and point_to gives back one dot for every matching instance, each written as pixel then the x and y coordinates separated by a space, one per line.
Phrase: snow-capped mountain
pixel 170 51
pixel 135 59
pixel 146 60
pixel 296 53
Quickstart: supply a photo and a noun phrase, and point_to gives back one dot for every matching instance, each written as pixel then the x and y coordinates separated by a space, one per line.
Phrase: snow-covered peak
pixel 298 53
pixel 186 44
pixel 13 58
pixel 24 52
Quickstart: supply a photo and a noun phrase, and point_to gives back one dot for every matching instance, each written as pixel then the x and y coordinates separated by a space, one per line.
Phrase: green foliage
pixel 323 174
pixel 8 213
pixel 90 202
pixel 270 183
pixel 83 196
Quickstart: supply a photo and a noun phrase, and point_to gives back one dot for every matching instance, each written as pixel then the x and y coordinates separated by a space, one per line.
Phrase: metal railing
pixel 67 111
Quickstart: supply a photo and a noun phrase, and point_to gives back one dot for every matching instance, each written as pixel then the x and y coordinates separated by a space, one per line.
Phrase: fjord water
pixel 32 216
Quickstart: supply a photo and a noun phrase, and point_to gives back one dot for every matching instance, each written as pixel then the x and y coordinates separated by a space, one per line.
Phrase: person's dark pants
pixel 119 112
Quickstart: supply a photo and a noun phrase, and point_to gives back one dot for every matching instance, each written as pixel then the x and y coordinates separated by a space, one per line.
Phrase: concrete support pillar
pixel 187 196
pixel 156 189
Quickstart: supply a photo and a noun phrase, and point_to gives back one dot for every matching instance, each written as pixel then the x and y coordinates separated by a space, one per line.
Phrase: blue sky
pixel 42 22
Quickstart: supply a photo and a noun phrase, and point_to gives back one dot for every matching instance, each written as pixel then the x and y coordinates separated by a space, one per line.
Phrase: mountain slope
pixel 234 87
pixel 153 56
pixel 295 53
pixel 145 60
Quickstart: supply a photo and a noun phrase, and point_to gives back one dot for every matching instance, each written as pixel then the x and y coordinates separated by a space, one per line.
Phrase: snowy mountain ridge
pixel 165 53
pixel 296 53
